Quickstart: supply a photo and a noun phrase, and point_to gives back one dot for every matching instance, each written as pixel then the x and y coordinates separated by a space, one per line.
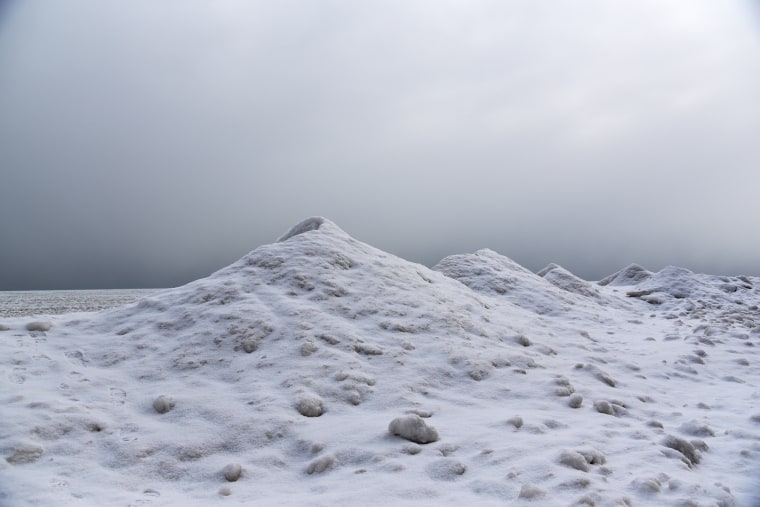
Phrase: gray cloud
pixel 147 144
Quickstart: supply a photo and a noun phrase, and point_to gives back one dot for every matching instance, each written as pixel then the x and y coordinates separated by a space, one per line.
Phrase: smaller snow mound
pixel 565 280
pixel 629 275
pixel 486 271
pixel 679 282
pixel 675 288
pixel 550 267
pixel 310 224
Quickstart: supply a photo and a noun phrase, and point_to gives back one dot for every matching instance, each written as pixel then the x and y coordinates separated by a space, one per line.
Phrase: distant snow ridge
pixel 320 370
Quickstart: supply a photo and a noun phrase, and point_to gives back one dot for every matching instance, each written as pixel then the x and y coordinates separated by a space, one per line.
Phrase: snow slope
pixel 294 375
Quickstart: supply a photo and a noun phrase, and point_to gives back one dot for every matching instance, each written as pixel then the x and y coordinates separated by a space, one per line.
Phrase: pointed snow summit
pixel 317 305
pixel 310 224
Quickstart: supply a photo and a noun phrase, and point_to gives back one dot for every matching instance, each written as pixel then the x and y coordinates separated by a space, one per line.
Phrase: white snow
pixel 274 382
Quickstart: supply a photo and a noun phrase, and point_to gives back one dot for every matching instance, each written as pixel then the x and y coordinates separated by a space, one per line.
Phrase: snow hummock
pixel 319 370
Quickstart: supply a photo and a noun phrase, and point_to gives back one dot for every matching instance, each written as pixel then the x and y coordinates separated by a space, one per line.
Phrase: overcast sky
pixel 147 143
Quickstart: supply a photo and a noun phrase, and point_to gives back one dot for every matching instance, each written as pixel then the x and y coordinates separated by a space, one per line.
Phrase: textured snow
pixel 286 378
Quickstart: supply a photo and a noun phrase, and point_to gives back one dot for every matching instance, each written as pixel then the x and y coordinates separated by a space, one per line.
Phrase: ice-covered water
pixel 42 302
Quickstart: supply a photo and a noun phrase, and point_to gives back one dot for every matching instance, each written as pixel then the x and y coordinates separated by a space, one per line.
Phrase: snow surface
pixel 301 373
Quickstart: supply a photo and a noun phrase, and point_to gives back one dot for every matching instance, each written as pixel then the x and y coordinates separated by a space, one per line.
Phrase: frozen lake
pixel 44 302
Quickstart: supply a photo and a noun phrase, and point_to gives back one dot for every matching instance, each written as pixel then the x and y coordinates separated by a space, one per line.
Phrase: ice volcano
pixel 319 370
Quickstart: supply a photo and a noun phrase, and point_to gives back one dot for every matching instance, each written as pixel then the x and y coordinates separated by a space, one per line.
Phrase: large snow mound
pixel 289 376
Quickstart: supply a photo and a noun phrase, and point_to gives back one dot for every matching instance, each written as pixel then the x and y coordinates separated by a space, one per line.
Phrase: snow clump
pixel 320 465
pixel 310 407
pixel 574 460
pixel 232 472
pixel 684 447
pixel 413 428
pixel 575 401
pixel 163 404
pixel 445 469
pixel 531 492
pixel 39 325
pixel 516 421
pixel 604 407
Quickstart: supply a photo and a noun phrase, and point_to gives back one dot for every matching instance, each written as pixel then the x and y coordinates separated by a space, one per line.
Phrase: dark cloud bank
pixel 146 144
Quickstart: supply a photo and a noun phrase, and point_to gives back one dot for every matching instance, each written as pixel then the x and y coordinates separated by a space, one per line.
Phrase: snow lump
pixel 40 326
pixel 232 472
pixel 310 407
pixel 163 404
pixel 413 428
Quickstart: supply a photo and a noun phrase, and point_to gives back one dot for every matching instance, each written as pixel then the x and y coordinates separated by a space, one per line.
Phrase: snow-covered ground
pixel 293 376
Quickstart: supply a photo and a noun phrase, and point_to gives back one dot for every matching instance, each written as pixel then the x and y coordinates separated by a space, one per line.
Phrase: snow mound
pixel 553 290
pixel 285 368
pixel 679 288
pixel 486 271
pixel 565 280
pixel 489 273
pixel 630 275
